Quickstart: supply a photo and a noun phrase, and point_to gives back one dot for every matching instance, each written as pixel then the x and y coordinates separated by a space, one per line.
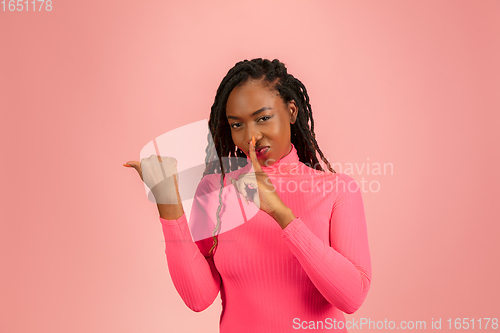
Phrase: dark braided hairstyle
pixel 223 156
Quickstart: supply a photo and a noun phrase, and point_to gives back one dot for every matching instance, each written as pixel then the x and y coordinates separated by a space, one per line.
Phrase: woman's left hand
pixel 257 187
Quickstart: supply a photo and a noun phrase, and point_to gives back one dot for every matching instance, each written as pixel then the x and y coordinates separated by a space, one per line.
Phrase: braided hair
pixel 274 73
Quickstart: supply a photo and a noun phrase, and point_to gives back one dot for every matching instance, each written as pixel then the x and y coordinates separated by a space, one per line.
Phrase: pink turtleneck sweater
pixel 305 276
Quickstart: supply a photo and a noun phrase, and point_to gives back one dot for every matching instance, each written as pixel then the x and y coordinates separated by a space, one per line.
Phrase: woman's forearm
pixel 284 217
pixel 170 211
pixel 195 277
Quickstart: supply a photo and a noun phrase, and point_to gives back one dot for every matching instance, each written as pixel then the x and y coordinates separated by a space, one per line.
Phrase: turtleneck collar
pixel 284 164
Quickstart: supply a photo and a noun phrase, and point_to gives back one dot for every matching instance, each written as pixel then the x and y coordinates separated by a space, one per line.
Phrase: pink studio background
pixel 84 87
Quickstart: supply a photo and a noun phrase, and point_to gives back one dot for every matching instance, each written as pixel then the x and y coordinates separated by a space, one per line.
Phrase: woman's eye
pixel 238 125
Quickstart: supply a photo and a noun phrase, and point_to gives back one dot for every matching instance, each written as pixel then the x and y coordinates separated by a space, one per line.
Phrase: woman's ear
pixel 294 111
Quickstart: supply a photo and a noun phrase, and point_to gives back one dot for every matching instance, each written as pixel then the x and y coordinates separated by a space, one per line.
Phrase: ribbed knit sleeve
pixel 195 278
pixel 341 272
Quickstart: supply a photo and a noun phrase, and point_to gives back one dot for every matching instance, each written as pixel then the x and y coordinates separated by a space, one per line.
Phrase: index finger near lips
pixel 253 157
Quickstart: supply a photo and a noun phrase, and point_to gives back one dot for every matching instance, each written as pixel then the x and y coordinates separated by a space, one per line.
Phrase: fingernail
pixel 253 140
pixel 128 165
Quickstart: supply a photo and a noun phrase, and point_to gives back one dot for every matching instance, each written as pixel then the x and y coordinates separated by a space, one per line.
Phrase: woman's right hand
pixel 159 173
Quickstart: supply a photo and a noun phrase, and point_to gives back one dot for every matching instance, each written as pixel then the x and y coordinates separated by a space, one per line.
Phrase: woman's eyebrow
pixel 253 114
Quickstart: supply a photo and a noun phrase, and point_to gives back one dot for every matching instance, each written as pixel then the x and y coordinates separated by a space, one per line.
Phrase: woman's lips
pixel 261 150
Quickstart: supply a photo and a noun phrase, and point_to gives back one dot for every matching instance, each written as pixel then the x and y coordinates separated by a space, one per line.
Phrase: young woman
pixel 302 260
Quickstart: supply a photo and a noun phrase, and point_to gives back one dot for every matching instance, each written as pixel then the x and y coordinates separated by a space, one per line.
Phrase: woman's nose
pixel 256 134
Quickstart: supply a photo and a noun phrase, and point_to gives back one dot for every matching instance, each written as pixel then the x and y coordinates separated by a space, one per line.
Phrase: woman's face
pixel 253 109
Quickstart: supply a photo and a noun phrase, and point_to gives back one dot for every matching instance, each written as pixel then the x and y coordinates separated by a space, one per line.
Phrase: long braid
pixel 302 131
